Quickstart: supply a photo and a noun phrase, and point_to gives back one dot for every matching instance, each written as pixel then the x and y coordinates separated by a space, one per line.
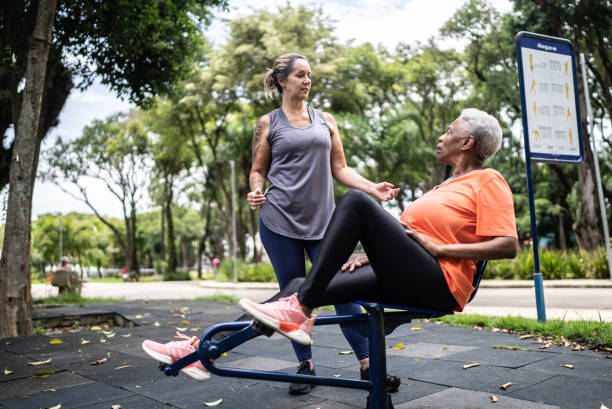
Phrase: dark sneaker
pixel 302 388
pixel 392 383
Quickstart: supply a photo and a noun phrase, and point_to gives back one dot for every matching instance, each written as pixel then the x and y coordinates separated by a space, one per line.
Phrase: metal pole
pixel 233 167
pixel 602 205
pixel 60 237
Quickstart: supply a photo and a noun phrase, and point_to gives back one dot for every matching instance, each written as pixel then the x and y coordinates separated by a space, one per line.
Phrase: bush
pixel 178 276
pixel 554 265
pixel 258 272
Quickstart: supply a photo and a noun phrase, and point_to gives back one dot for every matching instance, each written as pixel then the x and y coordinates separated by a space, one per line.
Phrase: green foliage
pixel 178 276
pixel 554 265
pixel 258 272
pixel 592 333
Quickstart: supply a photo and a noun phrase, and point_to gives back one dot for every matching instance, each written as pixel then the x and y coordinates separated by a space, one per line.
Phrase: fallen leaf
pixel 156 324
pixel 195 329
pixel 417 359
pixel 107 332
pixel 98 361
pixel 444 349
pixel 525 336
pixel 55 341
pixel 177 315
pixel 58 406
pixel 567 366
pixel 603 406
pixel 399 346
pixel 224 354
pixel 345 352
pixel 102 340
pixel 108 354
pixel 494 399
pixel 95 328
pixel 215 403
pixel 116 407
pixel 416 327
pixel 8 371
pixel 181 329
pixel 468 366
pixel 337 375
pixel 171 323
pixel 185 323
pixel 127 335
pixel 495 330
pixel 49 390
pixel 506 385
pixel 42 374
pixel 85 341
pixel 36 363
pixel 123 366
pixel 139 316
pixel 145 322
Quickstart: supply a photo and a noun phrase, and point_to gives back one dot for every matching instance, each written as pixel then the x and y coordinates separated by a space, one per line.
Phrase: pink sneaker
pixel 175 350
pixel 284 316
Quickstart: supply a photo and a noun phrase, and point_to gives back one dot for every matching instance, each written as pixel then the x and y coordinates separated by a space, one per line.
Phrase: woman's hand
pixel 384 191
pixel 432 248
pixel 358 262
pixel 255 199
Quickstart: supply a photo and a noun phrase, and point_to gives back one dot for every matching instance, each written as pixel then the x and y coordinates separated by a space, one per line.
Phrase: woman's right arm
pixel 261 163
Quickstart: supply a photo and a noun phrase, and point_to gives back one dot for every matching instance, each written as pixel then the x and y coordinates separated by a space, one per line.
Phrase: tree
pixel 139 49
pixel 16 314
pixel 115 152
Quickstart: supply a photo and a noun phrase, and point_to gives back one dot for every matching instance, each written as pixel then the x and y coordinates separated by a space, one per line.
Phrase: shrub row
pixel 554 264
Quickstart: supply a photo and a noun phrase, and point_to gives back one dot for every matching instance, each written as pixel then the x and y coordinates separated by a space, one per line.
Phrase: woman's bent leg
pixel 405 272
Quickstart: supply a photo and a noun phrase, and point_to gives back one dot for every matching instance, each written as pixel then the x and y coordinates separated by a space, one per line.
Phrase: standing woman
pixel 298 150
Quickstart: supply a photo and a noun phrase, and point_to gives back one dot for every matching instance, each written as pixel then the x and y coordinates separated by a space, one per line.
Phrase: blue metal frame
pixel 375 323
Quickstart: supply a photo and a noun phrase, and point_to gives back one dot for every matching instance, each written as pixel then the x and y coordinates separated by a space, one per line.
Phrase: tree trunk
pixel 170 247
pixel 588 226
pixel 15 292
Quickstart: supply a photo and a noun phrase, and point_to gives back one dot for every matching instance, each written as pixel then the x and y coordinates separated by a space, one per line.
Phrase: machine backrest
pixel 480 268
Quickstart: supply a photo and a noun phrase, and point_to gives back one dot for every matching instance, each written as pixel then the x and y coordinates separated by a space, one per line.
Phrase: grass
pixel 592 333
pixel 219 298
pixel 145 279
pixel 73 298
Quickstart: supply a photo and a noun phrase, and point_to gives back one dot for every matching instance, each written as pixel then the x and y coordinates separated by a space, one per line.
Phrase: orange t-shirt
pixel 469 209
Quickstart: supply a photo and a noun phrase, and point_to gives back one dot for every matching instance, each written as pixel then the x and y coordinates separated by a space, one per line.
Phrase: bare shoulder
pixel 263 121
pixel 329 118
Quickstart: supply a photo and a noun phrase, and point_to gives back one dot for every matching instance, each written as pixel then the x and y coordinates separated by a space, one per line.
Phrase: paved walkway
pixel 565 299
pixel 430 365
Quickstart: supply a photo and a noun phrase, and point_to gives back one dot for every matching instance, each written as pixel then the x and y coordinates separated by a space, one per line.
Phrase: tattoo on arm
pixel 257 182
pixel 256 141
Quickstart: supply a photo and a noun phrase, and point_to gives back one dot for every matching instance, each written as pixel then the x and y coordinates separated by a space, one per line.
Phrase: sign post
pixel 551 117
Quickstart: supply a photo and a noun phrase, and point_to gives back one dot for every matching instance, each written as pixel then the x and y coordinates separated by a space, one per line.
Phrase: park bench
pixel 375 323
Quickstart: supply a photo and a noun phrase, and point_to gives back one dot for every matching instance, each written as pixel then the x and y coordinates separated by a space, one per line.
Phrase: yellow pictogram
pixel 535 110
pixel 569 114
pixel 536 135
pixel 570 136
pixel 566 68
pixel 533 87
pixel 531 62
pixel 566 91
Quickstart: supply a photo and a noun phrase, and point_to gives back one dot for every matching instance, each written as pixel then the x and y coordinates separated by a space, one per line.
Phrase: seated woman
pixel 426 259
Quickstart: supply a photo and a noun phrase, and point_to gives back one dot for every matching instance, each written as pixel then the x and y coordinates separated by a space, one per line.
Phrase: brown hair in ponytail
pixel 280 69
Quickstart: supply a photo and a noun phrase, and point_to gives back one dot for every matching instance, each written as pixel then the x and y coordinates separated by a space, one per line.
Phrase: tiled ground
pixel 430 365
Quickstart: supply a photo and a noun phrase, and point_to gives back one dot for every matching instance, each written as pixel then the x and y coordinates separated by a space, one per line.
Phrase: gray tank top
pixel 300 196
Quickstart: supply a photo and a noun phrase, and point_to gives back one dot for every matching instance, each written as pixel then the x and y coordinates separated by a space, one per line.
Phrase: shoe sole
pixel 192 371
pixel 299 336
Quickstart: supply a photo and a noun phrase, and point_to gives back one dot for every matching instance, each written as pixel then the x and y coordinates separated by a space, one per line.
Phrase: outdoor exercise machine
pixel 375 323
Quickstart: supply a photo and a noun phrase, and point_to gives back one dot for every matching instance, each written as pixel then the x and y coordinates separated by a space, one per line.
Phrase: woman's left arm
pixel 347 176
pixel 496 248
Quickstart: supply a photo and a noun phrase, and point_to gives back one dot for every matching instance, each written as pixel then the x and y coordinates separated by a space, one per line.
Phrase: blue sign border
pixel 557 45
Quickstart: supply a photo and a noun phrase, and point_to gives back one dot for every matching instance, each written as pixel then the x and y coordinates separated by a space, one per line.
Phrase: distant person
pixel 64 277
pixel 216 262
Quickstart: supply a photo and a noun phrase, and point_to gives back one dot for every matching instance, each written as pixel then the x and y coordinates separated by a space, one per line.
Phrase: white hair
pixel 486 132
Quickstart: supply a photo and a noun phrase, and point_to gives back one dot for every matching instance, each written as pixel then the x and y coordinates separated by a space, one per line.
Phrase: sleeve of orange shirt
pixel 495 209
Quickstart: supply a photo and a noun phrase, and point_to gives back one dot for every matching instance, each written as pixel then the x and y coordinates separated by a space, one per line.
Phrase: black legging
pixel 401 271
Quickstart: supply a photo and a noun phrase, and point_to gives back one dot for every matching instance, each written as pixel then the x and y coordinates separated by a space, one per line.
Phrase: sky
pixel 379 22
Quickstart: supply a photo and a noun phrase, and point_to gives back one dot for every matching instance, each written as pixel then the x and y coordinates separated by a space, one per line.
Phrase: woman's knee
pixel 353 198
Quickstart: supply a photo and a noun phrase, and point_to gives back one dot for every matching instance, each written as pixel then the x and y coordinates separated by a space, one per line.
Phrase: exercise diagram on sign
pixel 551 117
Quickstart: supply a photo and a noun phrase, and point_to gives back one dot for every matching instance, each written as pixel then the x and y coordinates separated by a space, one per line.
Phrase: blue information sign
pixel 549 98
